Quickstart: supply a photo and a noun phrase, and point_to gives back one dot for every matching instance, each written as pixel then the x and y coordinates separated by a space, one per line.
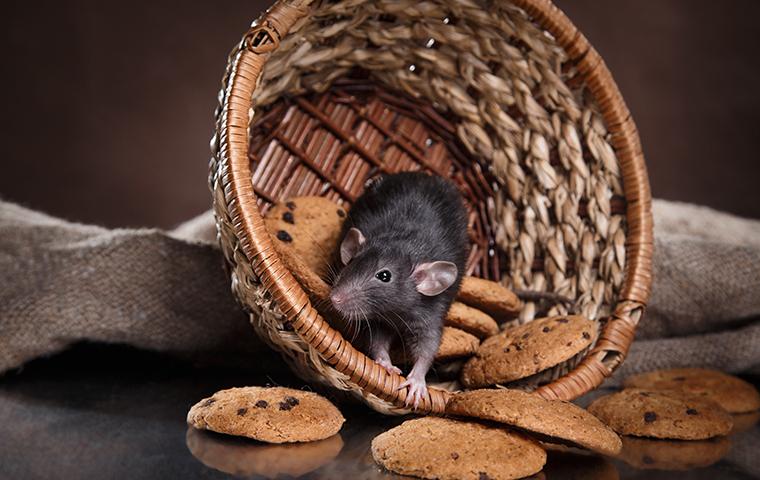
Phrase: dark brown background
pixel 107 106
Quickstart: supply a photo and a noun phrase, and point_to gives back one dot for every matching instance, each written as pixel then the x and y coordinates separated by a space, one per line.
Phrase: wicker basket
pixel 507 98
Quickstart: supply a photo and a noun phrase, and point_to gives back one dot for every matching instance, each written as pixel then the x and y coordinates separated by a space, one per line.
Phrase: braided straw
pixel 532 99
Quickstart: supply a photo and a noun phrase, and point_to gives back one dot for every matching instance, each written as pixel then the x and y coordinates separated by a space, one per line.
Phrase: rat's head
pixel 375 281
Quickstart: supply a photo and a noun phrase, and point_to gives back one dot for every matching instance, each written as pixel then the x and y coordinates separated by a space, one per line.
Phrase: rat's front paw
pixel 417 388
pixel 388 366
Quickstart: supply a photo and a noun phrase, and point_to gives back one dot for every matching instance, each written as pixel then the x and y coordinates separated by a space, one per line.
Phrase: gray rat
pixel 404 249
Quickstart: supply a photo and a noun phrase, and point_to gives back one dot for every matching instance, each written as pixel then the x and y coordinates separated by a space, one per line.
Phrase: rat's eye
pixel 383 276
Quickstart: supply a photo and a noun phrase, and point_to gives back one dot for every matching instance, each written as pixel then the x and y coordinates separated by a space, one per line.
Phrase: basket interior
pixel 548 213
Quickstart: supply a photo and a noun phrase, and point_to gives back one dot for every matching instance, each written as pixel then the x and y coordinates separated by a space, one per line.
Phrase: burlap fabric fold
pixel 62 283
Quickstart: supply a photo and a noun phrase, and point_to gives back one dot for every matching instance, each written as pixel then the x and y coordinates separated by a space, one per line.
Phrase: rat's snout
pixel 343 300
pixel 338 299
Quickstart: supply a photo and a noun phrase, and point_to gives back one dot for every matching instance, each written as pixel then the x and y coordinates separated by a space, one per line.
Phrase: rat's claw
pixel 388 366
pixel 417 388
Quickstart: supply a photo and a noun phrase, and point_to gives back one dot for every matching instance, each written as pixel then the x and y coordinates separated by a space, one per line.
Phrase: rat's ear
pixel 350 246
pixel 434 277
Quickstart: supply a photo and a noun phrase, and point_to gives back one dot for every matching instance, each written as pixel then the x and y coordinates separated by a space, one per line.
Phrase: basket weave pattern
pixel 570 205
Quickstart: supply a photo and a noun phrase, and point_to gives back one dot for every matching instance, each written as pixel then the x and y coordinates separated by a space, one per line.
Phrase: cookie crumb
pixel 650 417
pixel 284 236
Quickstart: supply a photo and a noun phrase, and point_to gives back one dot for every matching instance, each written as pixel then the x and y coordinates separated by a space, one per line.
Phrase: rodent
pixel 403 250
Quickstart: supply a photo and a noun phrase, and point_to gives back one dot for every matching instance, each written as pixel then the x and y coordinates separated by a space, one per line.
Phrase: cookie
pixel 649 413
pixel 490 297
pixel 554 421
pixel 455 344
pixel 471 320
pixel 243 458
pixel 744 421
pixel 267 414
pixel 525 350
pixel 444 448
pixel 733 394
pixel 649 454
pixel 311 226
pixel 317 289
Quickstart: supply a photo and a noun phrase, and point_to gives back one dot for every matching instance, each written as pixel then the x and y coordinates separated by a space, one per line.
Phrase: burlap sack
pixel 61 283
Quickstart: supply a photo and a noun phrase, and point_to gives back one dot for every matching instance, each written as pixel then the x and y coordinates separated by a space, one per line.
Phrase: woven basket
pixel 507 98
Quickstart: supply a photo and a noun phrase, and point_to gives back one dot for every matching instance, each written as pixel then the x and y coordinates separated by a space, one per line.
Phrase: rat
pixel 403 252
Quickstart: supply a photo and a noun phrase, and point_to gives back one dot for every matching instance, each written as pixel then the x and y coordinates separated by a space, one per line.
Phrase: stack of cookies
pixel 490 434
pixel 676 419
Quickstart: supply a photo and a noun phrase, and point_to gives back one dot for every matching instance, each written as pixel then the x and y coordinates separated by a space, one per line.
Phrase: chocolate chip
pixel 691 411
pixel 284 236
pixel 262 404
pixel 568 344
pixel 291 205
pixel 518 347
pixel 506 350
pixel 341 213
pixel 525 335
pixel 645 394
pixel 546 329
pixel 242 411
pixel 288 217
pixel 647 460
pixel 454 455
pixel 483 476
pixel 679 379
pixel 209 402
pixel 586 335
pixel 285 406
pixel 292 401
pixel 650 417
pixel 562 320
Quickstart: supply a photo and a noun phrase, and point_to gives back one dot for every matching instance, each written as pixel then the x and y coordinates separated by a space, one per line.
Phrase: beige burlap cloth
pixel 61 283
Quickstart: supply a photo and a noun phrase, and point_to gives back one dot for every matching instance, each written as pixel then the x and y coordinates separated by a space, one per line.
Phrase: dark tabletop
pixel 113 412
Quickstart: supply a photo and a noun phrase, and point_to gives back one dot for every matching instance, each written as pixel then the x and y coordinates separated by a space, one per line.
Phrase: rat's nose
pixel 338 299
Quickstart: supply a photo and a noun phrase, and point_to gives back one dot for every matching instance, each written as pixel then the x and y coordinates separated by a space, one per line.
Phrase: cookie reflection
pixel 568 463
pixel 649 454
pixel 242 457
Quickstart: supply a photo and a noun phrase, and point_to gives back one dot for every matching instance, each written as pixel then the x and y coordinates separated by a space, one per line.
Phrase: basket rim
pixel 230 175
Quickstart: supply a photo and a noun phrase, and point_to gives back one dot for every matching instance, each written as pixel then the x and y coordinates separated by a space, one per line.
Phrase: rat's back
pixel 416 214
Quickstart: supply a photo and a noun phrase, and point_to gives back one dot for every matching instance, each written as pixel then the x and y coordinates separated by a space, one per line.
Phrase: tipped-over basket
pixel 531 120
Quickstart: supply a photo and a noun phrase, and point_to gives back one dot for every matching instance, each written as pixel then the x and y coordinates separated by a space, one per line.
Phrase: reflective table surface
pixel 113 412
